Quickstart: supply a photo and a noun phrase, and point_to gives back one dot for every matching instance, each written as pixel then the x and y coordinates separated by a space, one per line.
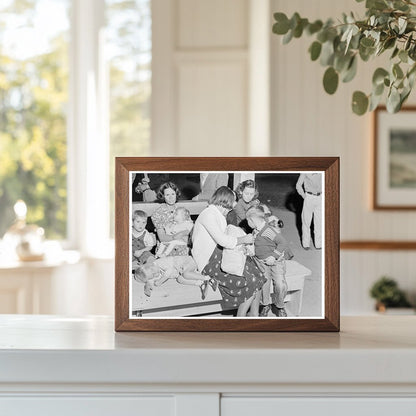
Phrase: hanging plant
pixel 388 28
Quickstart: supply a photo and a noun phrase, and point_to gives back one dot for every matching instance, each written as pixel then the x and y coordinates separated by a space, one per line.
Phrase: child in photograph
pixel 271 251
pixel 182 268
pixel 142 240
pixel 247 194
pixel 181 223
pixel 271 219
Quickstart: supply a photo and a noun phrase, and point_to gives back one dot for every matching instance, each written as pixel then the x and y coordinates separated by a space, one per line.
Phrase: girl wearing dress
pixel 209 238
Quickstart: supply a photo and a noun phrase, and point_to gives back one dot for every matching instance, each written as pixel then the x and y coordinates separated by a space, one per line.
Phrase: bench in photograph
pixel 175 299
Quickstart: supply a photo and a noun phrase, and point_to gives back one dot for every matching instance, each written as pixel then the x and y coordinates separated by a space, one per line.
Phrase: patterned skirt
pixel 234 289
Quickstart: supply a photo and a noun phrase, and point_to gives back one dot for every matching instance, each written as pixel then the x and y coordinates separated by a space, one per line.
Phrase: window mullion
pixel 88 136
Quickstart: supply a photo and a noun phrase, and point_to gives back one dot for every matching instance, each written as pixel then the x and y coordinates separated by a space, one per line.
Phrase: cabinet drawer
pixel 87 406
pixel 247 406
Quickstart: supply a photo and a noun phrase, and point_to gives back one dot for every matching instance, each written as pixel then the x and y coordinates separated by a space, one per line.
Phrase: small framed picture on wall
pixel 394 159
pixel 227 244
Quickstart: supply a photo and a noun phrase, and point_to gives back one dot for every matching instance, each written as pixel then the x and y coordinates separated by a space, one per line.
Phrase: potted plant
pixel 387 294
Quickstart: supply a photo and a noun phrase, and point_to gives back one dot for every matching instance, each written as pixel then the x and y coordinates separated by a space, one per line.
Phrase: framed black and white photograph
pixel 394 159
pixel 233 244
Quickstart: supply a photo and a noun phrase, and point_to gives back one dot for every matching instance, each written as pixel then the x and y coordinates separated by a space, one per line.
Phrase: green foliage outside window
pixel 33 99
pixel 34 103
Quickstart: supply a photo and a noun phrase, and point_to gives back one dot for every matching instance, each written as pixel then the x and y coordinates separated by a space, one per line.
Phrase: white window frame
pixel 88 136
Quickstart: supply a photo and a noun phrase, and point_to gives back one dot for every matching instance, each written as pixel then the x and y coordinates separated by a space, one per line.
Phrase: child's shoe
pixel 281 312
pixel 204 289
pixel 265 311
pixel 148 289
pixel 213 283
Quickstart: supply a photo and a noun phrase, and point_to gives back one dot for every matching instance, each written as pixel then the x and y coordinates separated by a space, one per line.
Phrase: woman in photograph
pixel 168 194
pixel 209 238
pixel 247 194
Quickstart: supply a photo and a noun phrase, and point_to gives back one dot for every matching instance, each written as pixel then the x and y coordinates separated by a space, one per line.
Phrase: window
pixel 75 87
pixel 33 98
pixel 129 43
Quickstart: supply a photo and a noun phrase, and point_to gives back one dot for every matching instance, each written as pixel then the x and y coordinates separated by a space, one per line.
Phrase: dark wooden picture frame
pixel 380 148
pixel 328 165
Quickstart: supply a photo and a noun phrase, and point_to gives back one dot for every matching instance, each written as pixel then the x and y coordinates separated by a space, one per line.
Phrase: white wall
pixel 308 122
pixel 218 78
pixel 200 76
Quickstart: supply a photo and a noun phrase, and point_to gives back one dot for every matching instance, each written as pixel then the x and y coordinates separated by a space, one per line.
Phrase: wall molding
pixel 377 245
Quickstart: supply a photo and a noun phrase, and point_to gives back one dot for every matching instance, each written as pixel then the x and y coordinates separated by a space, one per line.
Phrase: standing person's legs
pixel 255 304
pixel 317 221
pixel 243 307
pixel 279 283
pixel 307 211
pixel 265 291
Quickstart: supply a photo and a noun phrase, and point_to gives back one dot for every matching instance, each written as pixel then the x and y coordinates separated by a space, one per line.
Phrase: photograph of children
pixel 227 245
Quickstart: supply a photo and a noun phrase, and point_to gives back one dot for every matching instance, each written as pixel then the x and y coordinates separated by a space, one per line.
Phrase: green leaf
pixel 327 53
pixel 351 71
pixel 294 20
pixel 395 52
pixel 389 43
pixel 397 71
pixel 376 4
pixel 402 25
pixel 281 27
pixel 367 42
pixel 408 42
pixel 400 5
pixel 379 75
pixel 393 101
pixel 341 61
pixel 404 95
pixel 374 101
pixel 315 50
pixel 411 76
pixel 288 37
pixel 403 56
pixel 378 89
pixel 314 27
pixel 359 103
pixel 298 30
pixel 412 52
pixel 330 80
pixel 366 53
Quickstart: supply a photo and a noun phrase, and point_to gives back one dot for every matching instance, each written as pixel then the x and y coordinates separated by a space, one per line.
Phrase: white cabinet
pixel 324 406
pixel 80 366
pixel 88 406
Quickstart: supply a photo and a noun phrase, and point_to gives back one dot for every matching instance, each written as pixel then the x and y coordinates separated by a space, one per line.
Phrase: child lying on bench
pixel 182 268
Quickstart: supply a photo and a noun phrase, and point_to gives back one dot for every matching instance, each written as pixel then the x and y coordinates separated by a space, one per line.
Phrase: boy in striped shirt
pixel 271 250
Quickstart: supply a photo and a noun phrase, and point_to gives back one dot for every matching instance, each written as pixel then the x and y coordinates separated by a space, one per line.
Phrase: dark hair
pixel 247 184
pixel 223 197
pixel 139 214
pixel 167 185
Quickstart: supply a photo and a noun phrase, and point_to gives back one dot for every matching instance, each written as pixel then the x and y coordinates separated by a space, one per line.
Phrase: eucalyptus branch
pixel 388 26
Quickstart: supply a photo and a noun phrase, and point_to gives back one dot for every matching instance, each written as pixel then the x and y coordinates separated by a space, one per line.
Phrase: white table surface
pixel 46 349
